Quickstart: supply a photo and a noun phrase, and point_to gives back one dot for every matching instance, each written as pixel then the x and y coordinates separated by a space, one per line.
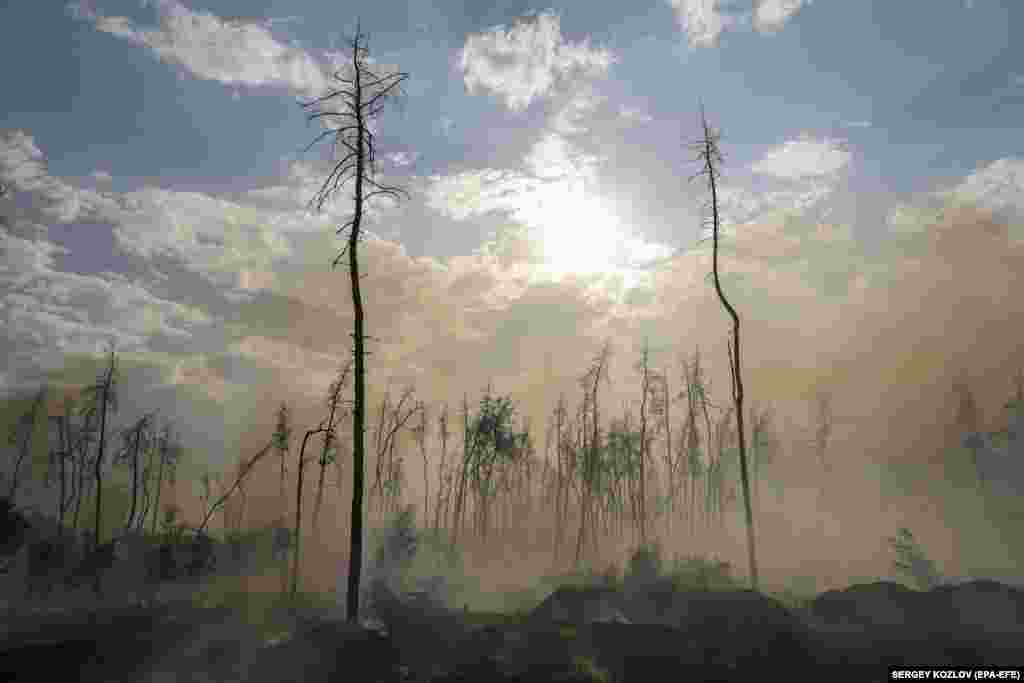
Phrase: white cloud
pixel 701 20
pixel 634 115
pixel 772 15
pixel 740 205
pixel 101 176
pixel 208 235
pixel 211 48
pixel 527 61
pixel 704 21
pixel 401 158
pixel 569 118
pixel 23 167
pixel 998 186
pixel 47 310
pixel 554 157
pixel 804 157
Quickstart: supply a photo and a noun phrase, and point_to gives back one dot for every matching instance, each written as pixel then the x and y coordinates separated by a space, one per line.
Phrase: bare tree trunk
pixel 363 93
pixel 710 155
pixel 644 391
pixel 298 508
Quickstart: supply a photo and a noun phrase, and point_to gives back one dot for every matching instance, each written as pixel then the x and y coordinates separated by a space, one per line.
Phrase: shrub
pixel 703 573
pixel 911 561
pixel 644 564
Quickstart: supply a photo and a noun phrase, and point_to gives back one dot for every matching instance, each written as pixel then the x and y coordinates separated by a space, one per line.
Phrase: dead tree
pixel 646 387
pixel 328 453
pixel 710 156
pixel 360 97
pixel 103 395
pixel 392 420
pixel 444 488
pixel 419 432
pixel 20 436
pixel 169 452
pixel 324 428
pixel 591 382
pixel 823 427
pixel 134 439
pixel 64 453
pixel 243 472
pixel 282 443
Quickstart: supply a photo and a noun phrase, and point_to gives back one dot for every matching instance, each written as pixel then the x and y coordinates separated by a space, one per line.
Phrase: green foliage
pixel 492 436
pixel 911 561
pixel 644 564
pixel 703 574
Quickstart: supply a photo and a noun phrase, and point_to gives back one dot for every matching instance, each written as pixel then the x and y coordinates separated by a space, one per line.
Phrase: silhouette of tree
pixel 709 155
pixel 364 89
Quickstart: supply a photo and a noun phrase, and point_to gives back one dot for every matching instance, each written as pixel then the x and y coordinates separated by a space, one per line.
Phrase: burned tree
pixel 20 436
pixel 591 449
pixel 282 443
pixel 134 440
pixel 103 396
pixel 709 155
pixel 360 97
pixel 328 455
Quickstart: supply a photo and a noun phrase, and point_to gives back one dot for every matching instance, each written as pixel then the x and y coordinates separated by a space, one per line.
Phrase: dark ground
pixel 697 635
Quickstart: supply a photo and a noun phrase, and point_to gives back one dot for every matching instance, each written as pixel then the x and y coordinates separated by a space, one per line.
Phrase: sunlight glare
pixel 578 235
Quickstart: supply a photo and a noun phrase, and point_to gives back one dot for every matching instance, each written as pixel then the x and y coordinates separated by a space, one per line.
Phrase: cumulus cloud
pixel 527 61
pixel 701 20
pixel 207 234
pixel 401 159
pixel 571 116
pixel 804 157
pixel 210 48
pixel 46 311
pixel 634 115
pixel 555 157
pixel 23 168
pixel 739 205
pixel 704 21
pixel 999 186
pixel 772 15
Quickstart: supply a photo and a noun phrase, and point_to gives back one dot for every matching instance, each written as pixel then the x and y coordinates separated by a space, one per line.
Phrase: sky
pixel 872 195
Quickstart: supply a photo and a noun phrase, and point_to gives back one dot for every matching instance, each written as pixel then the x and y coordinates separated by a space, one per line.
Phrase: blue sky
pixel 873 194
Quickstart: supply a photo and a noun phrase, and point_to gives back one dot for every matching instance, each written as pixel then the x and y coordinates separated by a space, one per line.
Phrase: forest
pixel 675 521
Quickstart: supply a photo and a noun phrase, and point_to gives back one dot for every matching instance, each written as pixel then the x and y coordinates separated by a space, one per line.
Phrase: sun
pixel 579 234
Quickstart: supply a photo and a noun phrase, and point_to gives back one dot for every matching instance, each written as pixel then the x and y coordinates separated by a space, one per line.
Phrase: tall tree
pixel 444 487
pixel 646 388
pixel 282 442
pixel 134 440
pixel 66 440
pixel 103 395
pixel 328 455
pixel 20 436
pixel 419 432
pixel 591 382
pixel 709 155
pixel 169 452
pixel 347 111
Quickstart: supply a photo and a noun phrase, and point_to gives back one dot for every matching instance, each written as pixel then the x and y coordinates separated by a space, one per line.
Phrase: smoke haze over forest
pixel 873 239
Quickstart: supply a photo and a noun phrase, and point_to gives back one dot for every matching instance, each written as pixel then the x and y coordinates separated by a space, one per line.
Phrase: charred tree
pixel 710 156
pixel 360 97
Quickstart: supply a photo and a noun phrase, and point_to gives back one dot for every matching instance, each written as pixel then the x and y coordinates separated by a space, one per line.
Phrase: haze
pixel 873 239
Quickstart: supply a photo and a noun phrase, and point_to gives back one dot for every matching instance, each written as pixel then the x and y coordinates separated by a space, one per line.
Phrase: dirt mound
pixel 581 606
